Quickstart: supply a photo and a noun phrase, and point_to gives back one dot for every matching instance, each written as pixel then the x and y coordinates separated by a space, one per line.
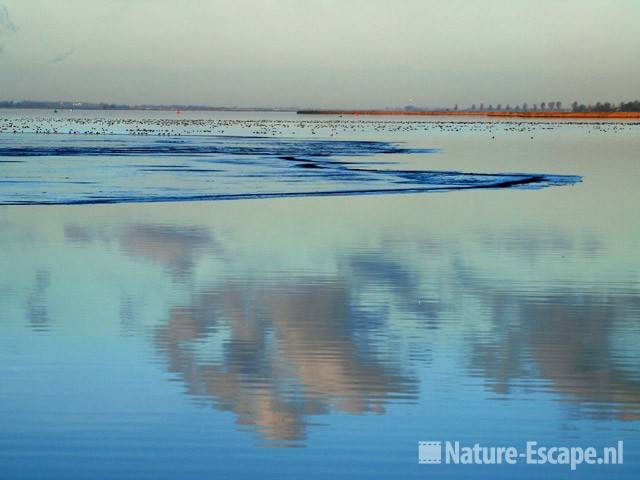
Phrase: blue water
pixel 312 336
pixel 74 169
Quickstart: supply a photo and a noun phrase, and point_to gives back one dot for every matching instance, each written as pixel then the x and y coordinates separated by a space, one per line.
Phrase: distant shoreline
pixel 475 114
pixel 144 109
pixel 364 112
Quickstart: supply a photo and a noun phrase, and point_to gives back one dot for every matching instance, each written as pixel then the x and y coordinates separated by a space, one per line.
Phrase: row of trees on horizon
pixel 632 106
pixel 556 106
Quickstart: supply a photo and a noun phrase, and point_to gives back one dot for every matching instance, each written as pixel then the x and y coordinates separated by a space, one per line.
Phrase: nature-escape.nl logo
pixel 454 453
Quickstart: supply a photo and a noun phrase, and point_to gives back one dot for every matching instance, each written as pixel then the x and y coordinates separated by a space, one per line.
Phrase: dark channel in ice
pixel 124 168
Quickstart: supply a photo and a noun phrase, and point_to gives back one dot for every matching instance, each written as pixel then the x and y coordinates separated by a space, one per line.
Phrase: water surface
pixel 325 336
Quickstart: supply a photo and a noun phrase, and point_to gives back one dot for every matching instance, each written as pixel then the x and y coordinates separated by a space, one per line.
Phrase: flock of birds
pixel 331 127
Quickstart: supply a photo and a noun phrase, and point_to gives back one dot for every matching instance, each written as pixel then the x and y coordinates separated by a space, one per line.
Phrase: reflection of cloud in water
pixel 564 338
pixel 173 247
pixel 401 283
pixel 272 351
pixel 276 350
pixel 290 351
pixel 534 245
pixel 37 304
pixel 83 234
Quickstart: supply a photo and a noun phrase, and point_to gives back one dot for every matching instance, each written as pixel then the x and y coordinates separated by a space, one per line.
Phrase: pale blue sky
pixel 320 52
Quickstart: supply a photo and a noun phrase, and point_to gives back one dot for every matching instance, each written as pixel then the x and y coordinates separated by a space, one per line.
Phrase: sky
pixel 320 53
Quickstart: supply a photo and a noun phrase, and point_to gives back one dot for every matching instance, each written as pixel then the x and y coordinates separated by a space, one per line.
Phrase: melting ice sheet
pixel 75 169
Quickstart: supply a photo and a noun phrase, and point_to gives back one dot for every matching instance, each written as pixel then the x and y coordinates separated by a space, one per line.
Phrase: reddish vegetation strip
pixel 478 113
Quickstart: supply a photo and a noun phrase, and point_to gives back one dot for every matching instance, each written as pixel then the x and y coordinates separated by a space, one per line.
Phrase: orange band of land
pixel 476 113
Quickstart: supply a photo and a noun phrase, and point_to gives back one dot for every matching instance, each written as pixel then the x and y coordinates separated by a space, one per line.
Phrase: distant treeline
pixel 525 107
pixel 553 106
pixel 47 105
pixel 633 106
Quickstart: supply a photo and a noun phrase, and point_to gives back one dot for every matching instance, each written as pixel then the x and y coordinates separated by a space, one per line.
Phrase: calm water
pixel 319 337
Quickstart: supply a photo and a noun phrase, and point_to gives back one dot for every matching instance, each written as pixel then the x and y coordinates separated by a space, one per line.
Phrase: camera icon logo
pixel 430 452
